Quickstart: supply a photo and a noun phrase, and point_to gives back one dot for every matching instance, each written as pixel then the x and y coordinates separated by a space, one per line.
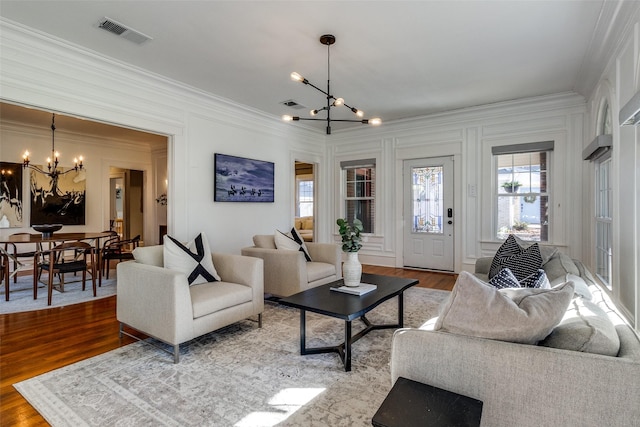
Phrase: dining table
pixel 51 240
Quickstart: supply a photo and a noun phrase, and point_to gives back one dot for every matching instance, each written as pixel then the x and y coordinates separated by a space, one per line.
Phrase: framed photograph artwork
pixel 238 179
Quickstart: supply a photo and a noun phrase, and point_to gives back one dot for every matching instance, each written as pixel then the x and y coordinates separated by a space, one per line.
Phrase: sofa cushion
pixel 585 327
pixel 150 255
pixel 208 298
pixel 558 267
pixel 522 264
pixel 319 270
pixel 307 224
pixel 522 315
pixel 580 285
pixel 192 259
pixel 265 241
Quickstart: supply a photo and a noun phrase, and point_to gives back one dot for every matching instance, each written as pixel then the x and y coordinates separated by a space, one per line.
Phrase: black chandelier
pixel 52 162
pixel 332 101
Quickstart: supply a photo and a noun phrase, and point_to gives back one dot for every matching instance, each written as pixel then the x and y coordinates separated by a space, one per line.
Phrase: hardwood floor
pixel 36 342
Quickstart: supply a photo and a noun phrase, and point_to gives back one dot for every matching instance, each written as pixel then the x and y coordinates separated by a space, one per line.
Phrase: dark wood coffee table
pixel 323 300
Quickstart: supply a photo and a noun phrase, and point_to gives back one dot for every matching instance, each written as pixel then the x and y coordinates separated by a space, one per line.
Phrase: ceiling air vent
pixel 293 104
pixel 123 31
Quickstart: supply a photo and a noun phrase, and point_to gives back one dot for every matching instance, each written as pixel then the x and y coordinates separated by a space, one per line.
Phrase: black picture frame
pixel 239 179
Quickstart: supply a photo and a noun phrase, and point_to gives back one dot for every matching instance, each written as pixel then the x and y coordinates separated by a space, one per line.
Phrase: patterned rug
pixel 21 294
pixel 238 376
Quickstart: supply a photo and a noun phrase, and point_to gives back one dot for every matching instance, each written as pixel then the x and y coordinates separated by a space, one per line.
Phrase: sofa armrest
pixel 284 271
pixel 326 252
pixel 155 301
pixel 483 265
pixel 243 270
pixel 521 384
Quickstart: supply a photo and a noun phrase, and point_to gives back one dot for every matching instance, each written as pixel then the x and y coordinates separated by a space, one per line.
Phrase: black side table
pixel 410 403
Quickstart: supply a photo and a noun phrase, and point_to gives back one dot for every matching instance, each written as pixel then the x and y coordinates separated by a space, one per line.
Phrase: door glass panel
pixel 427 189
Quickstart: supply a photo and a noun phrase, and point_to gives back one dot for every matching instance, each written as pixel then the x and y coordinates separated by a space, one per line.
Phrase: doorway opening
pixel 126 212
pixel 305 196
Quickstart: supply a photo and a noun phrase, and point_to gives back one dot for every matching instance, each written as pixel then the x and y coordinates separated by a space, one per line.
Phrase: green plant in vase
pixel 350 233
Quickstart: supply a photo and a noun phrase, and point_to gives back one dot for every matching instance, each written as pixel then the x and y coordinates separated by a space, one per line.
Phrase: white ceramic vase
pixel 352 270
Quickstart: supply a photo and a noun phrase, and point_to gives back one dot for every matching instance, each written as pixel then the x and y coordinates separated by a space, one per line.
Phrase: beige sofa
pixel 287 272
pixel 159 302
pixel 304 225
pixel 533 385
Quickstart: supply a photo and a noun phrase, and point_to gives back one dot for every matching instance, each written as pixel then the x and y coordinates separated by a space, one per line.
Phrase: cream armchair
pixel 287 272
pixel 159 302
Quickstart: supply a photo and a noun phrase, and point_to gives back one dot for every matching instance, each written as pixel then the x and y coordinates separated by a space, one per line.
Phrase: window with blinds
pixel 360 191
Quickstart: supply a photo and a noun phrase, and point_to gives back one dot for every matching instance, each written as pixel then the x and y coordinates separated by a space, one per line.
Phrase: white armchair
pixel 287 272
pixel 159 302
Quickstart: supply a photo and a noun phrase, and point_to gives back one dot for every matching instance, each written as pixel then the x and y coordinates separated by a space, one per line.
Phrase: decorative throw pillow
pixel 192 259
pixel 522 264
pixel 292 242
pixel 536 280
pixel 504 279
pixel 521 315
pixel 295 234
pixel 546 252
pixel 509 248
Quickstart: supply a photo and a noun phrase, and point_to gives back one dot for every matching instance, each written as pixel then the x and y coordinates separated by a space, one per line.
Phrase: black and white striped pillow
pixel 291 241
pixel 192 259
pixel 509 248
pixel 504 279
pixel 536 280
pixel 521 262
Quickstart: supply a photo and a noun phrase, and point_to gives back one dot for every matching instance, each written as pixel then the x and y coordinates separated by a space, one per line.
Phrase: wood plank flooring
pixel 36 342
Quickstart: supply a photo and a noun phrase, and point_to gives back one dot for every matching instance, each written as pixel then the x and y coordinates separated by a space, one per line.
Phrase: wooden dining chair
pixel 120 250
pixel 21 250
pixel 4 273
pixel 54 262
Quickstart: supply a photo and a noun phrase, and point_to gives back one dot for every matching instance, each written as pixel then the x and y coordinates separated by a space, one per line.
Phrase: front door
pixel 428 213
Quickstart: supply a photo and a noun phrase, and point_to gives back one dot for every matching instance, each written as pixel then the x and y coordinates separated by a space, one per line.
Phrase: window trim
pixel 523 148
pixel 358 164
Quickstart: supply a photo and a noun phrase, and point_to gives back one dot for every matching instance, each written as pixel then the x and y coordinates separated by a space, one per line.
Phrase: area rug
pixel 240 375
pixel 21 294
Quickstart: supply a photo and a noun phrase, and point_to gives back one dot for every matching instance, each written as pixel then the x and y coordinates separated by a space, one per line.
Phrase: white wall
pixel 468 136
pixel 54 75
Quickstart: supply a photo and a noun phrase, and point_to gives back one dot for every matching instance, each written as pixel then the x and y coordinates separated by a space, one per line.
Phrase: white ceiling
pixel 392 59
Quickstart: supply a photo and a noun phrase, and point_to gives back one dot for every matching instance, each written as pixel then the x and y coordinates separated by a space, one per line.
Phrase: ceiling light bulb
pixel 338 102
pixel 376 121
pixel 297 77
pixel 359 113
pixel 313 112
pixel 287 118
